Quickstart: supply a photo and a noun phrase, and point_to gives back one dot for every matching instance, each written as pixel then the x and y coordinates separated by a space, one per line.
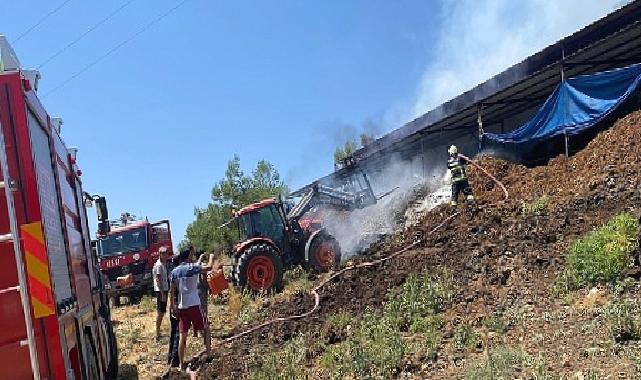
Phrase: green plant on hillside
pixel 601 256
pixel 592 374
pixel 500 363
pixel 243 305
pixel 339 321
pixel 426 324
pixel 296 280
pixel 427 344
pixel 536 207
pixel 623 317
pixel 374 344
pixel 419 297
pixel 465 337
pixel 494 323
pixel 540 369
pixel 374 350
pixel 286 364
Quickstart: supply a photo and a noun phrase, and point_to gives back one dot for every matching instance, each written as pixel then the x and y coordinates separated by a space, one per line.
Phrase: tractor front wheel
pixel 260 269
pixel 324 253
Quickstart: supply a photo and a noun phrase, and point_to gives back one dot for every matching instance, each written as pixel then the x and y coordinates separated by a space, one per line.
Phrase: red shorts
pixel 187 317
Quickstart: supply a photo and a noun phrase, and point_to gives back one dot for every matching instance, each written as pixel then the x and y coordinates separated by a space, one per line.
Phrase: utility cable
pixel 43 19
pixel 115 48
pixel 94 27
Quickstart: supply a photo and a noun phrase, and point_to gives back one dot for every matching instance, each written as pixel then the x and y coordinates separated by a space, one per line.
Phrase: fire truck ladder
pixel 13 235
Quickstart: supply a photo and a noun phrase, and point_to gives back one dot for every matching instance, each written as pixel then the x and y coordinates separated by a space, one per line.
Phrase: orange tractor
pixel 274 236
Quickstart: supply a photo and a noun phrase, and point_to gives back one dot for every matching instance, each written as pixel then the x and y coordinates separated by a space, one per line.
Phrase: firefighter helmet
pixel 452 150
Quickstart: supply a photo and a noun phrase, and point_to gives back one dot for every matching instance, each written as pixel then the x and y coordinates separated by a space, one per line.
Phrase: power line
pixel 115 48
pixel 37 24
pixel 72 43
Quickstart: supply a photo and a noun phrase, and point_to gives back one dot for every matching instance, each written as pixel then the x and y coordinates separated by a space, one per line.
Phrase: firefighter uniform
pixel 456 165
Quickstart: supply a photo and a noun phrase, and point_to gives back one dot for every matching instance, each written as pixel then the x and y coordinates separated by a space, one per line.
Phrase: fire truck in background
pixel 55 318
pixel 128 253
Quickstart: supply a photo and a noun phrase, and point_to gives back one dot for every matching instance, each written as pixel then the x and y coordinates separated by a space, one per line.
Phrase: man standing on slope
pixel 456 165
pixel 161 286
pixel 185 302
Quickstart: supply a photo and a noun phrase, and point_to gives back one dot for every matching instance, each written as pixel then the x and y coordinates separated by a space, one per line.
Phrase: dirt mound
pixel 504 255
pixel 610 158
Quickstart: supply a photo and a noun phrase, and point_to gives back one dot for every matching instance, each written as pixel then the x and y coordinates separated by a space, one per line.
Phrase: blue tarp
pixel 576 105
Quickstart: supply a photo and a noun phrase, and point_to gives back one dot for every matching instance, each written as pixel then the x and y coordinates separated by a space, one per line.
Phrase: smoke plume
pixel 480 39
pixel 414 193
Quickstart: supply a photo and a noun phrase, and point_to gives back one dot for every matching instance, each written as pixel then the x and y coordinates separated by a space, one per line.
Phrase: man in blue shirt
pixel 184 300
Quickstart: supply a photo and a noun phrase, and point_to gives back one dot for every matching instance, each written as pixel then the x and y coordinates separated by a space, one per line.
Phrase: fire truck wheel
pixel 115 300
pixel 324 253
pixel 134 298
pixel 260 269
pixel 92 360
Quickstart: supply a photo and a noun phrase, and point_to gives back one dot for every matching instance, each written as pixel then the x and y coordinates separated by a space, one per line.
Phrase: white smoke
pixel 358 229
pixel 480 39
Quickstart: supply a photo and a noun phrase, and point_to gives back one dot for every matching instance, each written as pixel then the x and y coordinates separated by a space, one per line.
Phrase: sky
pixel 159 94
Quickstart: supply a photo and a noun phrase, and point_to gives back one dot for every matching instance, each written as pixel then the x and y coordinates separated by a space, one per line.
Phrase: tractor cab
pixel 263 220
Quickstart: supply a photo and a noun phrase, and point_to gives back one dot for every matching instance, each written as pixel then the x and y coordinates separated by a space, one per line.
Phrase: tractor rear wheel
pixel 260 269
pixel 324 253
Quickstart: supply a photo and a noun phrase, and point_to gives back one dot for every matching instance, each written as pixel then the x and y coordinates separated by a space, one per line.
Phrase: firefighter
pixel 456 165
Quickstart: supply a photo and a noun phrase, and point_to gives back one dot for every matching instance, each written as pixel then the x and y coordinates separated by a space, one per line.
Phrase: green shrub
pixel 296 280
pixel 601 256
pixel 592 374
pixel 499 364
pixel 624 319
pixel 285 364
pixel 536 207
pixel 339 321
pixel 374 350
pixel 540 369
pixel 428 344
pixel 465 337
pixel 494 323
pixel 419 297
pixel 426 324
pixel 373 347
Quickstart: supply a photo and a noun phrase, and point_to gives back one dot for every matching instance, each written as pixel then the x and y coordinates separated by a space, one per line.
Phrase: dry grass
pixel 141 357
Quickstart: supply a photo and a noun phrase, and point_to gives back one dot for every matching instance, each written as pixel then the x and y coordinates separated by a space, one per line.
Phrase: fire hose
pixel 316 289
pixel 486 173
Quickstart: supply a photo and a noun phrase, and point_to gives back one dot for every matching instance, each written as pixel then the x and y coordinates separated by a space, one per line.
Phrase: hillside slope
pixel 505 256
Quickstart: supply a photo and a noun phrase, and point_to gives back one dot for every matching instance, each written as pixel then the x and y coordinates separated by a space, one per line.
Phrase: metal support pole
pixel 479 121
pixel 562 64
pixel 423 157
pixel 22 278
pixel 567 142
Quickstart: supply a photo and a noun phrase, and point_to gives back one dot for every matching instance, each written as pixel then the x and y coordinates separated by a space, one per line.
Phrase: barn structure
pixel 506 101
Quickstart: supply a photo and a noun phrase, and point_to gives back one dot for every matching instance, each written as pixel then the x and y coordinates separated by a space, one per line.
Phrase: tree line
pixel 237 190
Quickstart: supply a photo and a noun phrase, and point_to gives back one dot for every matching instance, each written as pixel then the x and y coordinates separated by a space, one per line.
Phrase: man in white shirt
pixel 185 302
pixel 161 287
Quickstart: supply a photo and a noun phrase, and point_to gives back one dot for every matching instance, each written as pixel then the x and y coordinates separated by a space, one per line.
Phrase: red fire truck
pixel 127 256
pixel 55 321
